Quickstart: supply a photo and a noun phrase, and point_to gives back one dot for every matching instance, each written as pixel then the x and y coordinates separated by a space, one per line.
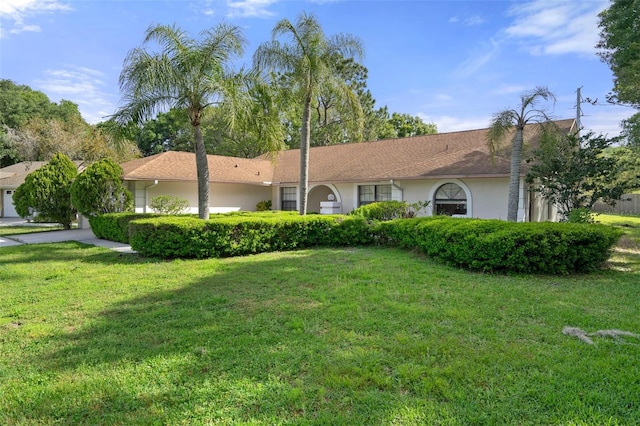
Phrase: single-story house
pixel 11 177
pixel 454 171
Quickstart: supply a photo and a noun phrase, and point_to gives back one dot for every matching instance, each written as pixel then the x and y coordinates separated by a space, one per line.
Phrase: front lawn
pixel 328 336
pixel 27 229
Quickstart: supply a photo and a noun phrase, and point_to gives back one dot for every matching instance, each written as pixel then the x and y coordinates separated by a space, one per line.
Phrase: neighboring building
pixel 454 171
pixel 12 177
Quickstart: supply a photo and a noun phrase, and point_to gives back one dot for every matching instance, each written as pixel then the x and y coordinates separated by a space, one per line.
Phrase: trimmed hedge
pixel 115 226
pixel 494 245
pixel 236 235
pixel 477 244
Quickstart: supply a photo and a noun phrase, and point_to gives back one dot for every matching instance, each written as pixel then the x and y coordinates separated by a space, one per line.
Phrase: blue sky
pixel 454 63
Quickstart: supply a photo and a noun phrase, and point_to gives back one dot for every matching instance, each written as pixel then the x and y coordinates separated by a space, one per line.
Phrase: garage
pixel 7 203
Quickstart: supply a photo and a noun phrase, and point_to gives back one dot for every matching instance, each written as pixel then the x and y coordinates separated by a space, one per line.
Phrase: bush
pixel 263 205
pixel 382 210
pixel 235 235
pixel 493 245
pixel 46 192
pixel 115 226
pixel 169 204
pixel 99 190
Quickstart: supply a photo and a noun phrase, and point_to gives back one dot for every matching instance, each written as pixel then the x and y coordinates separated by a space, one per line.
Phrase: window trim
pixel 375 193
pixel 465 188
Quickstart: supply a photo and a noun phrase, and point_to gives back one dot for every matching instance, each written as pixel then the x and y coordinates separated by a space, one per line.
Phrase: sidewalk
pixel 81 235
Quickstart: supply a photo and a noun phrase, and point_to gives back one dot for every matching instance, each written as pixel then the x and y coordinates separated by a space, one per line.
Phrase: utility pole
pixel 578 109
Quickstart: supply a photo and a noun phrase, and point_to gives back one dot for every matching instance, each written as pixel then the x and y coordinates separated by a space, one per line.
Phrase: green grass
pixel 331 336
pixel 627 254
pixel 26 229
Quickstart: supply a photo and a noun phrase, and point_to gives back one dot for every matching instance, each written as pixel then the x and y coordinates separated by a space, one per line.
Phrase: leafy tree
pixel 309 60
pixel 169 204
pixel 620 48
pixel 574 172
pixel 99 189
pixel 186 74
pixel 631 131
pixel 46 192
pixel 406 125
pixel 508 120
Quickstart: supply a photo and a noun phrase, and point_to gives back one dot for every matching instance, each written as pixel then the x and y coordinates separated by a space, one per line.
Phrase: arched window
pixel 450 199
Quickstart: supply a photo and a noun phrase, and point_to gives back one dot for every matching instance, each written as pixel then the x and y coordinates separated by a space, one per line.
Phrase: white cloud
pixel 476 61
pixel 447 123
pixel 84 86
pixel 474 20
pixel 250 8
pixel 15 13
pixel 556 28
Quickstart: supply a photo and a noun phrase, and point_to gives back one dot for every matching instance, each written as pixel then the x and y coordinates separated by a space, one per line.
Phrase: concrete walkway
pixel 82 235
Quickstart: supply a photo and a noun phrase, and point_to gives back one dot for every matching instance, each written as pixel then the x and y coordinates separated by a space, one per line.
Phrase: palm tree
pixel 187 74
pixel 503 123
pixel 310 60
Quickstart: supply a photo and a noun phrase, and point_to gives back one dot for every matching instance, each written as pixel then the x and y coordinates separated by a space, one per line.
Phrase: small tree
pixel 574 172
pixel 169 204
pixel 46 192
pixel 99 189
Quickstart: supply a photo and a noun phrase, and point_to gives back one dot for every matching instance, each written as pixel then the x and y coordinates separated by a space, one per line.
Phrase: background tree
pixel 620 48
pixel 509 120
pixel 186 74
pixel 574 172
pixel 46 192
pixel 309 60
pixel 406 126
pixel 99 189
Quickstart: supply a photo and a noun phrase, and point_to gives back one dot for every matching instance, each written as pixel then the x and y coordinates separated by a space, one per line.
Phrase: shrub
pixel 493 245
pixel 382 210
pixel 115 226
pixel 263 205
pixel 580 215
pixel 169 204
pixel 234 235
pixel 99 190
pixel 46 192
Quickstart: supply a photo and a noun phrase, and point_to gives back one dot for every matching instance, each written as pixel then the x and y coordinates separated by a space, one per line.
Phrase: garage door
pixel 7 203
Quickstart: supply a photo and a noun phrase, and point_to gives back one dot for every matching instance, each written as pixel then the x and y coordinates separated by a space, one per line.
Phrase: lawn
pixel 27 229
pixel 329 336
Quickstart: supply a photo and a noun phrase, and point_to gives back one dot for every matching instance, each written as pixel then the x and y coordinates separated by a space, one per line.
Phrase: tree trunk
pixel 305 142
pixel 202 166
pixel 514 177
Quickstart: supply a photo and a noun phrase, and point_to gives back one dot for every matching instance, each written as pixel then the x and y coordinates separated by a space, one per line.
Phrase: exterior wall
pixel 222 197
pixel 7 209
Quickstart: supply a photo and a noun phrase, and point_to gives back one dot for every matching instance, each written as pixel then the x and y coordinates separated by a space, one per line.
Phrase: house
pixel 12 177
pixel 454 171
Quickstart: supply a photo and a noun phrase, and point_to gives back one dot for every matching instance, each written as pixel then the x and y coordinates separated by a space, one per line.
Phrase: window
pixel 288 198
pixel 368 194
pixel 450 199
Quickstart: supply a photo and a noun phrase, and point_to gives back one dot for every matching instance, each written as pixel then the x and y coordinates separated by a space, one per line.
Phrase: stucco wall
pixel 222 197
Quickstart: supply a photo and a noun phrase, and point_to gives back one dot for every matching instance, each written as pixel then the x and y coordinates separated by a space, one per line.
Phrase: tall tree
pixel 309 59
pixel 503 124
pixel 406 125
pixel 188 74
pixel 620 48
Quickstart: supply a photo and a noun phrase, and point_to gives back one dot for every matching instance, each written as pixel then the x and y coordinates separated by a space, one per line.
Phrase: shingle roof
pixel 181 166
pixel 13 176
pixel 455 154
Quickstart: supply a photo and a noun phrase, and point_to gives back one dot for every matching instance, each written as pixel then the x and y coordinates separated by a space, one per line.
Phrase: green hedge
pixel 494 245
pixel 115 226
pixel 477 244
pixel 236 235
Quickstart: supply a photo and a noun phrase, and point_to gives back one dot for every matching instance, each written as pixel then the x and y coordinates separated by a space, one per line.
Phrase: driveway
pixel 82 235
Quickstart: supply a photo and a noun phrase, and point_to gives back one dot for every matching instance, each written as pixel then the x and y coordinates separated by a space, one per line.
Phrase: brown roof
pixel 455 154
pixel 13 176
pixel 181 166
